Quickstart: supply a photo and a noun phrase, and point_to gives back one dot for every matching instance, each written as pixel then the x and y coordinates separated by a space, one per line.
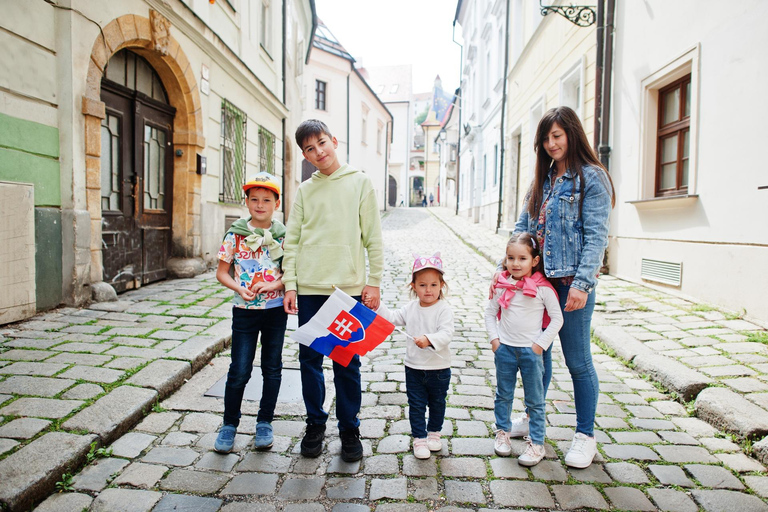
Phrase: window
pixel 379 138
pixel 364 124
pixel 495 165
pixel 572 87
pixel 266 25
pixel 266 151
pixel 233 125
pixel 485 172
pixel 673 138
pixel 320 91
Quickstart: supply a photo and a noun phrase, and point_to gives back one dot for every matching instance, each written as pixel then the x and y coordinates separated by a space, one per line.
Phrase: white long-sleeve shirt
pixel 520 323
pixel 435 322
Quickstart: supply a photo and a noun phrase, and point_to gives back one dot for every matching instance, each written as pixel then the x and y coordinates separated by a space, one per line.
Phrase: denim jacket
pixel 573 245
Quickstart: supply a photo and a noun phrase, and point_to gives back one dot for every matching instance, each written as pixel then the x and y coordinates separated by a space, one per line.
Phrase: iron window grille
pixel 266 151
pixel 233 136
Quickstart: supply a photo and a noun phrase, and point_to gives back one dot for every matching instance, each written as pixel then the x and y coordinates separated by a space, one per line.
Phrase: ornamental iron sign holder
pixel 580 15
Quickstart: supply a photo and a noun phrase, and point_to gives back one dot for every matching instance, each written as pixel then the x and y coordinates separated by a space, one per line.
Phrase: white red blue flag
pixel 343 328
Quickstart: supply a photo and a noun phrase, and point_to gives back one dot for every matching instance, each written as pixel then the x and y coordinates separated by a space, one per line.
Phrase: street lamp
pixel 443 135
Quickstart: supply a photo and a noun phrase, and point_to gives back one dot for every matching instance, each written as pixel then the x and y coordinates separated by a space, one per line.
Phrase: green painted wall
pixel 29 153
pixel 48 276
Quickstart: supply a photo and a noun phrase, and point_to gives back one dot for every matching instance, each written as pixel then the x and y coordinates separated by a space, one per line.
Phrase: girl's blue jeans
pixel 247 325
pixel 508 360
pixel 426 388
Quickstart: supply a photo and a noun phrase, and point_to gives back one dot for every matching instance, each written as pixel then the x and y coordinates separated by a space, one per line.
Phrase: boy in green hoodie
pixel 253 245
pixel 334 221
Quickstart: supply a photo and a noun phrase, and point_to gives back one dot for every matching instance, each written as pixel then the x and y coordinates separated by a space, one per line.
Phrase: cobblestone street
pixel 133 375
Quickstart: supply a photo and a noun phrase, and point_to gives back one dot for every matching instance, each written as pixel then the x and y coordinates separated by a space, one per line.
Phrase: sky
pixel 417 32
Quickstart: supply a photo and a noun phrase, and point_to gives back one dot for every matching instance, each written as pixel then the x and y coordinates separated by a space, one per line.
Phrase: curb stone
pixel 673 375
pixel 732 413
pixel 620 341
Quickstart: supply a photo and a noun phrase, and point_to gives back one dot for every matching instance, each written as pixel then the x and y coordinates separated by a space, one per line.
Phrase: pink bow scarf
pixel 529 287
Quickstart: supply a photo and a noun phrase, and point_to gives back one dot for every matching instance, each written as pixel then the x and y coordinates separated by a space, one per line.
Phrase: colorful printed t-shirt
pixel 251 267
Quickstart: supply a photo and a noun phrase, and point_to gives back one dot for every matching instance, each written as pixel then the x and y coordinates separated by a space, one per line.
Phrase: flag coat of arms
pixel 343 328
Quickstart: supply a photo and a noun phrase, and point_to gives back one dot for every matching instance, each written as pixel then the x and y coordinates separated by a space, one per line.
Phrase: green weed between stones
pixel 65 484
pixel 97 453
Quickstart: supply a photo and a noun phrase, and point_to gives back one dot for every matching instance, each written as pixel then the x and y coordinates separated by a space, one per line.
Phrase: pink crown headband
pixel 423 262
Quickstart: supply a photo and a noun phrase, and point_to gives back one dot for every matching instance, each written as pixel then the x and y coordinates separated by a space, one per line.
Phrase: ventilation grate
pixel 665 272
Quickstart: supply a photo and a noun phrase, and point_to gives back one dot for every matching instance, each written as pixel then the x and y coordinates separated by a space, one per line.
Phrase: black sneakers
pixel 312 444
pixel 351 447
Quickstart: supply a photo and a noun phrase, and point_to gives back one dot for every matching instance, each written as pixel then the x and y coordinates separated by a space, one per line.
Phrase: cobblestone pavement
pixel 654 455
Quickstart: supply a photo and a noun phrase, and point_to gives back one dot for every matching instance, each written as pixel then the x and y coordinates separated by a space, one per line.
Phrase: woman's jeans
pixel 508 360
pixel 426 388
pixel 247 324
pixel 345 379
pixel 574 338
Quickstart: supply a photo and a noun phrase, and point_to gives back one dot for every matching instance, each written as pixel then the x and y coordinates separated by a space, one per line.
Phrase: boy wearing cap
pixel 253 245
pixel 334 221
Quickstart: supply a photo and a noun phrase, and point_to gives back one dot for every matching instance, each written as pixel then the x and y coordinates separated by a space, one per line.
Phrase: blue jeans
pixel 508 360
pixel 575 337
pixel 246 326
pixel 345 379
pixel 426 388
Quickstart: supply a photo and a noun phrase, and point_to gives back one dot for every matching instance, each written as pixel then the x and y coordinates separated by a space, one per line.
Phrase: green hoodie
pixel 334 220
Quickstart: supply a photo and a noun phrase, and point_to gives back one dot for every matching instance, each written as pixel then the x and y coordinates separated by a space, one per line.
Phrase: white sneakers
pixel 501 445
pixel 420 448
pixel 519 427
pixel 532 454
pixel 583 450
pixel 433 442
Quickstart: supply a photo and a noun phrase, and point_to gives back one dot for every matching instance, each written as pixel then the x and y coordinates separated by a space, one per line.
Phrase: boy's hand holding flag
pixel 342 328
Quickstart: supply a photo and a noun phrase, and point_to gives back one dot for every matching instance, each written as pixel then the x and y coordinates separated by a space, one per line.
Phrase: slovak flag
pixel 342 328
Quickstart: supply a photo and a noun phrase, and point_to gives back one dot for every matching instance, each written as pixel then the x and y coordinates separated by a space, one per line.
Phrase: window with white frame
pixel 572 88
pixel 379 136
pixel 266 25
pixel 668 139
pixel 364 124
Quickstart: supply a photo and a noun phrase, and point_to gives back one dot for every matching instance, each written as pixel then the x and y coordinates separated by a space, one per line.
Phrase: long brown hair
pixel 579 154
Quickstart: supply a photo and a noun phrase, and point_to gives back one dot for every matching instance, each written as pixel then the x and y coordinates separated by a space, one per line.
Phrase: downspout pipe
pixel 285 83
pixel 349 143
pixel 461 108
pixel 503 117
pixel 604 150
pixel 600 32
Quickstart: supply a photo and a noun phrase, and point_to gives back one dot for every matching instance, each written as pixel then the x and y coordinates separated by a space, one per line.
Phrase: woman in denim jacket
pixel 567 209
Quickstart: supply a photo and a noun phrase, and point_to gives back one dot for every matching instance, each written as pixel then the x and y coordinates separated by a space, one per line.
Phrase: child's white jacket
pixel 435 322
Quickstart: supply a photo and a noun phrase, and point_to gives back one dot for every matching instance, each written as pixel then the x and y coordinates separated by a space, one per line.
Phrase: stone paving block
pixel 393 488
pixel 381 465
pixel 624 344
pixel 521 494
pixel 131 444
pixel 83 392
pixel 345 488
pixel 592 473
pixel 728 370
pixel 626 473
pixel 394 444
pixel 295 489
pixel 337 465
pixel 732 412
pixel 163 376
pixel 111 415
pixel 545 470
pixel 98 474
pixel 171 456
pixel 371 428
pixel 716 444
pixel 41 407
pixel 471 429
pixel 125 500
pixel 714 476
pixel 198 350
pixel 31 472
pixel 728 501
pixel 670 500
pixel 217 461
pixel 401 507
pixel 125 363
pixel 673 375
pixel 695 427
pixel 629 498
pixel 42 344
pixel 759 484
pixel 645 424
pixel 7 445
pixel 671 475
pixel 158 422
pixel 579 496
pixel 467 467
pixel 635 437
pixel 680 454
pixel 604 422
pixel 251 484
pixel 25 355
pixel 93 374
pixel 140 353
pixel 306 466
pixel 264 462
pixel 740 463
pixel 629 452
pixel 140 475
pixel 44 369
pixel 201 422
pixel 197 482
pixel 417 467
pixel 678 438
pixel 79 359
pixel 66 502
pixel 424 489
pixel 23 428
pixel 464 492
pixel 472 446
pixel 176 502
pixel 179 439
pixel 242 442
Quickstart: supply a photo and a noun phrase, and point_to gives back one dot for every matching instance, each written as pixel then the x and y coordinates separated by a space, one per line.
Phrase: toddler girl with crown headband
pixel 428 322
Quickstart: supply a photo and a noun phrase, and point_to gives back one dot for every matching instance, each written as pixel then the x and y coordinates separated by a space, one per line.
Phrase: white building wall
pixel 720 236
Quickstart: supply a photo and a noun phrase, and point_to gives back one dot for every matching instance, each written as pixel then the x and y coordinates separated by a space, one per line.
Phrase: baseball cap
pixel 263 180
pixel 425 262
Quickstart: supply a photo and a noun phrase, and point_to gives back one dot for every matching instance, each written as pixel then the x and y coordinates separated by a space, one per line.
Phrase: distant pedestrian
pixel 253 245
pixel 402 200
pixel 424 201
pixel 431 199
pixel 524 302
pixel 567 208
pixel 428 322
pixel 334 222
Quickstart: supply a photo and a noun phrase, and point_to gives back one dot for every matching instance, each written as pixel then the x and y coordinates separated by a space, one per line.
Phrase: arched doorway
pixel 136 173
pixel 392 193
pixel 417 191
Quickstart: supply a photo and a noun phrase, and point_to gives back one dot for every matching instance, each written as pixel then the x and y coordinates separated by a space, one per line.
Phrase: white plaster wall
pixel 721 238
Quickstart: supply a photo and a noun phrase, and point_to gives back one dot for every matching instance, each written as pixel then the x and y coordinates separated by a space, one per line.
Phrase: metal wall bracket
pixel 581 15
